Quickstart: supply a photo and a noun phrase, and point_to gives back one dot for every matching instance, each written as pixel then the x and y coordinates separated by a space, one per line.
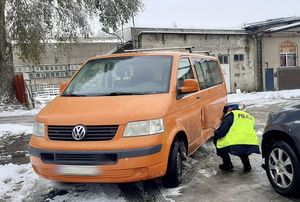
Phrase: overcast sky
pixel 213 13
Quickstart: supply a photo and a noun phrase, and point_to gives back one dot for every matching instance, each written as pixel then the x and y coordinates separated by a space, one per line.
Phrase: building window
pixel 238 57
pixel 288 52
pixel 223 59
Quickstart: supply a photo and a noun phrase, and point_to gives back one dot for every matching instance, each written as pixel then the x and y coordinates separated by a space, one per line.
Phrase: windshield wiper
pixel 104 94
pixel 74 95
pixel 124 93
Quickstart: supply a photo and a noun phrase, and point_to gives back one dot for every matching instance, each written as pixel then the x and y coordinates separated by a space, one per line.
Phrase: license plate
pixel 78 170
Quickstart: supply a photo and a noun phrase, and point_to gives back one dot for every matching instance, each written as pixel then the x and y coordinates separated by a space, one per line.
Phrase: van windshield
pixel 137 75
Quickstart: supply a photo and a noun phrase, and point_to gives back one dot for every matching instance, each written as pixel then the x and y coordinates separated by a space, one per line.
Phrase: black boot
pixel 246 163
pixel 227 164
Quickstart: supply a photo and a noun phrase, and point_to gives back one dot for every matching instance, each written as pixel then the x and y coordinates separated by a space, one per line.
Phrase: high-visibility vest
pixel 241 132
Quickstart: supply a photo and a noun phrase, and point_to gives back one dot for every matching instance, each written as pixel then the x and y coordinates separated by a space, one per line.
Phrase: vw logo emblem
pixel 79 132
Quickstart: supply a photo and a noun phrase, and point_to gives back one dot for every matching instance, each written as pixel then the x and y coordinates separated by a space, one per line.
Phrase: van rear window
pixel 122 76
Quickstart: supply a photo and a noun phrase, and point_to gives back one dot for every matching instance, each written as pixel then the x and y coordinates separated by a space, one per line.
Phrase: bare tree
pixel 31 23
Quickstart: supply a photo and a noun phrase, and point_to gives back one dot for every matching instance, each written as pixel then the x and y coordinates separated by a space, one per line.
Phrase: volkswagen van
pixel 129 117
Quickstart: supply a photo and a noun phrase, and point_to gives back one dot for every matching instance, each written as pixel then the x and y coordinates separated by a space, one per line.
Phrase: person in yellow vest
pixel 236 135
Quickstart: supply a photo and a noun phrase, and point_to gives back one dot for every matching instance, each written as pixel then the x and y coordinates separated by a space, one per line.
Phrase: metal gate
pixel 269 79
pixel 288 78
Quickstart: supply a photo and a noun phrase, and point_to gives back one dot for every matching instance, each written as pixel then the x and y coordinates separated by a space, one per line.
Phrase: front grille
pixel 80 158
pixel 94 133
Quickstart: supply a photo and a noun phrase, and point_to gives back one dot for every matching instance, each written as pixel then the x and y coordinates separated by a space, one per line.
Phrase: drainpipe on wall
pixel 139 45
pixel 259 61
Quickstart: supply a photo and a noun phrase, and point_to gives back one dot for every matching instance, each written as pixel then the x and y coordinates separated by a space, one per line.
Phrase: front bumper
pixel 127 168
pixel 114 165
pixel 90 157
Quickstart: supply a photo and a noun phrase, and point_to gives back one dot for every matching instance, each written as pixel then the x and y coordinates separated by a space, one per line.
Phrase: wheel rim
pixel 281 168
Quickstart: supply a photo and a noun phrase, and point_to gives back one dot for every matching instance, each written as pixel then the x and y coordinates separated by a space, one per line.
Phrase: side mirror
pixel 62 87
pixel 189 86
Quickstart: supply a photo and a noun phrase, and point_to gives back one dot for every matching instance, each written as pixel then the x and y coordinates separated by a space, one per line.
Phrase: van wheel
pixel 282 167
pixel 173 176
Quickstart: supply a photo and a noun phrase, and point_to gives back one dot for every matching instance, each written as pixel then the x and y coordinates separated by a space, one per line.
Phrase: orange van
pixel 129 117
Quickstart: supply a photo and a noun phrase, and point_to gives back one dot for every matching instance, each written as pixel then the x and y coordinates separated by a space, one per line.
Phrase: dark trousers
pixel 244 158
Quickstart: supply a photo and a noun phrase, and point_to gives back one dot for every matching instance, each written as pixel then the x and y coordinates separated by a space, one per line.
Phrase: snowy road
pixel 17 119
pixel 203 181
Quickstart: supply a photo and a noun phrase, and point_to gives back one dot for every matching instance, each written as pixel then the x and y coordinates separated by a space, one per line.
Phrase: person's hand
pixel 216 126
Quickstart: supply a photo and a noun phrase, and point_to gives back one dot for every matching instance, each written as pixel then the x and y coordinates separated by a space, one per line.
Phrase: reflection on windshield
pixel 122 76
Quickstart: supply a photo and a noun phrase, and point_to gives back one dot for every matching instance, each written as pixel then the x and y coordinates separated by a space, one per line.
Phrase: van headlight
pixel 38 129
pixel 141 128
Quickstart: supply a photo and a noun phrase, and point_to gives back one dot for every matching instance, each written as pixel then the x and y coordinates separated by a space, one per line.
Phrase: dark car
pixel 281 150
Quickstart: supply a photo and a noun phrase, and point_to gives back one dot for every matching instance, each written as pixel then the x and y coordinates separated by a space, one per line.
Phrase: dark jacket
pixel 234 149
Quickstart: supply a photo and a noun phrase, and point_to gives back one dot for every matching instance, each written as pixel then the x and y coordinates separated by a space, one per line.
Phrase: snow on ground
pixel 171 192
pixel 20 112
pixel 14 129
pixel 16 181
pixel 89 193
pixel 263 98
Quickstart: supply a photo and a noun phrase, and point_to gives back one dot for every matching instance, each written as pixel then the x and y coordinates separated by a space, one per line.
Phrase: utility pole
pixel 122 30
pixel 133 24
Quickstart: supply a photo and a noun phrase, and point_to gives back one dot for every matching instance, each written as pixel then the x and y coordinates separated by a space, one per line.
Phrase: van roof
pixel 170 53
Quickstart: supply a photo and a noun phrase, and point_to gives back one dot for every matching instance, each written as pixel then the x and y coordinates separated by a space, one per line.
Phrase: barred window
pixel 238 57
pixel 223 59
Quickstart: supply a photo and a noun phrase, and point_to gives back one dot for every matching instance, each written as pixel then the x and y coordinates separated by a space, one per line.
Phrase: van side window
pixel 184 71
pixel 207 74
pixel 215 72
pixel 200 74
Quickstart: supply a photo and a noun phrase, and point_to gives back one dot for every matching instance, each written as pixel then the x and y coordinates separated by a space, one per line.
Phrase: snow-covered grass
pixel 8 109
pixel 14 129
pixel 266 98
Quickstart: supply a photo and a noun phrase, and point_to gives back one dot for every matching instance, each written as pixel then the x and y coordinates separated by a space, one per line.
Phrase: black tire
pixel 173 175
pixel 283 172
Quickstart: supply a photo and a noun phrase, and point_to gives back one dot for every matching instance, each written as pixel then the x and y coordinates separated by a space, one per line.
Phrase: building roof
pixel 268 25
pixel 188 31
pixel 283 27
